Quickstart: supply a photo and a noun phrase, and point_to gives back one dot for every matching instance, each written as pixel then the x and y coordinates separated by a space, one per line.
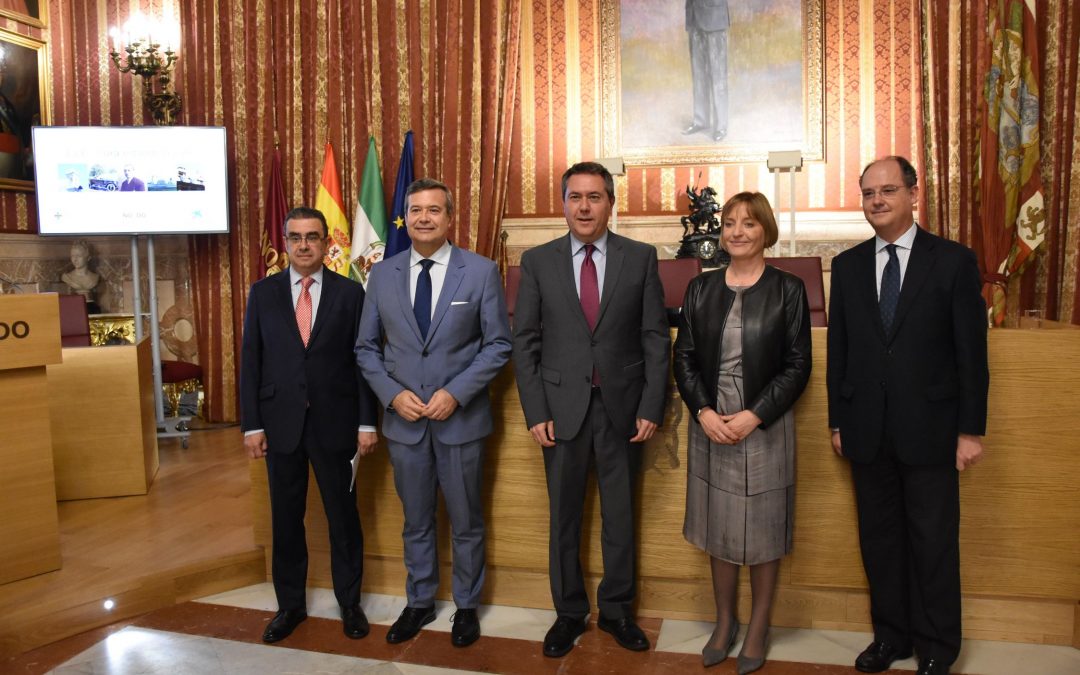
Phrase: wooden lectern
pixel 29 339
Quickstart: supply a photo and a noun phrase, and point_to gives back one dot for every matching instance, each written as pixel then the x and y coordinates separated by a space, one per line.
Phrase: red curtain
pixel 956 59
pixel 307 73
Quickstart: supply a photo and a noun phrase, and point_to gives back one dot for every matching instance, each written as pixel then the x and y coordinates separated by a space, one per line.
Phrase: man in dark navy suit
pixel 907 381
pixel 303 400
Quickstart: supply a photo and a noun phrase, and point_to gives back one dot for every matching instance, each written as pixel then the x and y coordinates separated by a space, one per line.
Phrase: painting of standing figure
pixel 708 81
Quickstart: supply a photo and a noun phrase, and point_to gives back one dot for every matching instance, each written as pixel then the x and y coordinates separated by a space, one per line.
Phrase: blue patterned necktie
pixel 422 301
pixel 890 288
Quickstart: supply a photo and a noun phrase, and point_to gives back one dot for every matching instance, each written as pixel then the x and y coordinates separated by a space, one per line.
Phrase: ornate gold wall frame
pixel 33 12
pixel 646 94
pixel 24 103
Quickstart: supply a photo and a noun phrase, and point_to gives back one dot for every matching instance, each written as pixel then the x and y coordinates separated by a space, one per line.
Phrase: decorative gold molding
pixel 39 21
pixel 667 189
pixel 44 85
pixel 527 108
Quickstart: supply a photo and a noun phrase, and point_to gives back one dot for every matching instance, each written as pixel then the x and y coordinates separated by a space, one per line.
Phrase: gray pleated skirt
pixel 740 499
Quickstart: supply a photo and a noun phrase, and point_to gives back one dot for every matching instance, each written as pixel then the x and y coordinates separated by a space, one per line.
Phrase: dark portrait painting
pixel 30 12
pixel 708 81
pixel 22 105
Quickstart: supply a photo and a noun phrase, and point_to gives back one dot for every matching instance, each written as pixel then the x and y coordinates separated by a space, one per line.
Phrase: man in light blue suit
pixel 433 334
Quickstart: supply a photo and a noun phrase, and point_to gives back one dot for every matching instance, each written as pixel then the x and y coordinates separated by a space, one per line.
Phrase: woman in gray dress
pixel 742 358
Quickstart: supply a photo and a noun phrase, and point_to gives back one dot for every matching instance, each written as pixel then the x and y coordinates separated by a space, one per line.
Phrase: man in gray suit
pixel 433 334
pixel 707 30
pixel 591 352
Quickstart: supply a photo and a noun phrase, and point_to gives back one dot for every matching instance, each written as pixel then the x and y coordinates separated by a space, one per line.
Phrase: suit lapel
pixel 920 261
pixel 611 273
pixel 328 296
pixel 866 278
pixel 565 264
pixel 283 290
pixel 401 284
pixel 455 272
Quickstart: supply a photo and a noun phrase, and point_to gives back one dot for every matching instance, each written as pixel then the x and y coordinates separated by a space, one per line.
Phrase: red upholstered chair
pixel 74 321
pixel 675 276
pixel 513 281
pixel 809 270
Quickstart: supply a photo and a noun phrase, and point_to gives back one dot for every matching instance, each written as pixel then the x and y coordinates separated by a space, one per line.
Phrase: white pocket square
pixel 458 302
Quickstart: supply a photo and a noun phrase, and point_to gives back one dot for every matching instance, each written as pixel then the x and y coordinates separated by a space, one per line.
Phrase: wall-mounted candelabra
pixel 148 49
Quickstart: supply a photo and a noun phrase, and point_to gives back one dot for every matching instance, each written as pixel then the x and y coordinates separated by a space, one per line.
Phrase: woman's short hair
pixel 757 205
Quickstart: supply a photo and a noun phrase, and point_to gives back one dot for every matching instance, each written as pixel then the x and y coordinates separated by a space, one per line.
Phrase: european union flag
pixel 397 237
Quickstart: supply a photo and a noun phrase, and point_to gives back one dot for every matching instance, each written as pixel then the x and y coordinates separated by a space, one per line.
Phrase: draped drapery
pixel 957 58
pixel 306 73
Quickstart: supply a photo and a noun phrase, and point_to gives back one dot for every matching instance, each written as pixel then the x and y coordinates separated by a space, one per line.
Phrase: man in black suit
pixel 591 352
pixel 907 381
pixel 304 400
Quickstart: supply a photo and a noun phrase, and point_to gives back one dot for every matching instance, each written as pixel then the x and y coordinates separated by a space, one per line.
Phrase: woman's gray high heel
pixel 710 656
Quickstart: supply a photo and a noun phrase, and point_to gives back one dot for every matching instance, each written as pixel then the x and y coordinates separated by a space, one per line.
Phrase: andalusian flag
pixel 328 200
pixel 397 236
pixel 370 221
pixel 1013 213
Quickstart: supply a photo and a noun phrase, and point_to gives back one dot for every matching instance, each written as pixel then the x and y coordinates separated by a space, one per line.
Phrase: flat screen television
pixel 131 180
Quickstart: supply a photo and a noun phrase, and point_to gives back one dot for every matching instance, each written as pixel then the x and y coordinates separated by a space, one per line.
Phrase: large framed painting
pixel 711 81
pixel 32 12
pixel 24 103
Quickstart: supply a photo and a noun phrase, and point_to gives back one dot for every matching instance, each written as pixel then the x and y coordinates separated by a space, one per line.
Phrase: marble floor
pixel 220 635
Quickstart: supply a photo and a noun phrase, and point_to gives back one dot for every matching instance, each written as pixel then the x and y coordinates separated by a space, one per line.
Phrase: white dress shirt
pixel 441 258
pixel 315 290
pixel 903 252
pixel 577 256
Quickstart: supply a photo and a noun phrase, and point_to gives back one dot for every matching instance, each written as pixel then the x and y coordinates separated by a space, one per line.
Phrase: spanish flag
pixel 328 200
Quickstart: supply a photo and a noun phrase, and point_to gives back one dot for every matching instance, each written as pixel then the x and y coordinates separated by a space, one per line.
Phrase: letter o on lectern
pixel 17 330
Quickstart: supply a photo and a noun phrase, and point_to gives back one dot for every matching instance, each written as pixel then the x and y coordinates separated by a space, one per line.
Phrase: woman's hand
pixel 714 426
pixel 741 423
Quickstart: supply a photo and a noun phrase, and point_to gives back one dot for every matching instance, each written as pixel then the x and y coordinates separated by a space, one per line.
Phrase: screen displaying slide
pixel 131 180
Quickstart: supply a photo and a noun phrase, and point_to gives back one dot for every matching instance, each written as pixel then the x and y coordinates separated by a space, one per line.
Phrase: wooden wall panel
pixel 1018 510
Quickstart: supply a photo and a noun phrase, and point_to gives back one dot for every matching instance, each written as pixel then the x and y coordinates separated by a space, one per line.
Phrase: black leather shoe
pixel 560 637
pixel 626 633
pixel 283 624
pixel 693 129
pixel 879 656
pixel 410 622
pixel 355 622
pixel 932 667
pixel 466 628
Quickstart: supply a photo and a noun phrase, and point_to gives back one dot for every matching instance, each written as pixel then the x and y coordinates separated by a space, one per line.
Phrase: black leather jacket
pixel 775 337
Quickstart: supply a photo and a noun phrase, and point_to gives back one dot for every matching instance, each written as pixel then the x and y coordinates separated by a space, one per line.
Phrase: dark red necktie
pixel 590 297
pixel 590 289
